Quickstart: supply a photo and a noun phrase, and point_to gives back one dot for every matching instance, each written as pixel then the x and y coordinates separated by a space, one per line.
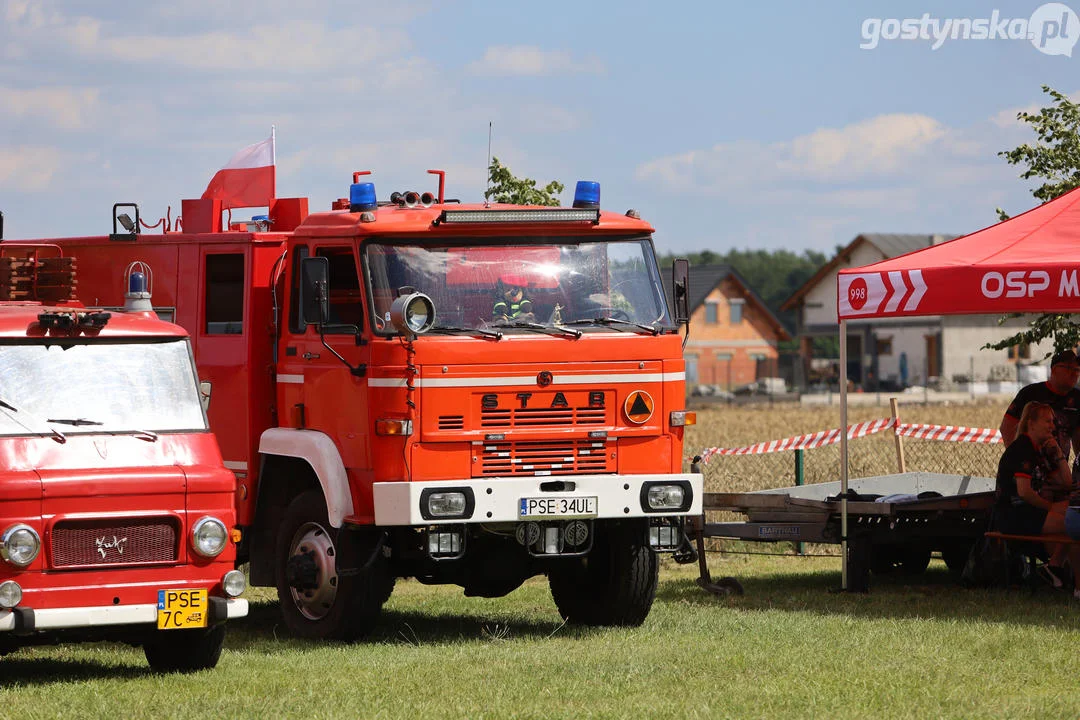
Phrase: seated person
pixel 511 304
pixel 1031 464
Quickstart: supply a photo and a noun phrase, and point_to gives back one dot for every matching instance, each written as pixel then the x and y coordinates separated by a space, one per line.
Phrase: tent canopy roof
pixel 1029 263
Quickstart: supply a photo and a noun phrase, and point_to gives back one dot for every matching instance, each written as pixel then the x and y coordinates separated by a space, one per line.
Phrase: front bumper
pixel 26 620
pixel 498 499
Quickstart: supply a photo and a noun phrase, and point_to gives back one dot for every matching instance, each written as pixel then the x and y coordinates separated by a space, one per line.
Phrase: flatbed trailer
pixel 916 514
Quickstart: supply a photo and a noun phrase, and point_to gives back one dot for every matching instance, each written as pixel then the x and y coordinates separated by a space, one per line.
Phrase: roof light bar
pixel 553 215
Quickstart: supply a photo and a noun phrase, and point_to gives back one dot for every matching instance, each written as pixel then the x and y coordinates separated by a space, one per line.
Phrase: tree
pixel 1054 158
pixel 506 188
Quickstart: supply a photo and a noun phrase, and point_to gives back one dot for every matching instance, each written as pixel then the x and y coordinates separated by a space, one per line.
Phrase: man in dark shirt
pixel 1060 393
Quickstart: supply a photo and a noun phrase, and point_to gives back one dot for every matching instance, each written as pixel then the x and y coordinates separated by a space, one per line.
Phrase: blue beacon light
pixel 587 194
pixel 362 197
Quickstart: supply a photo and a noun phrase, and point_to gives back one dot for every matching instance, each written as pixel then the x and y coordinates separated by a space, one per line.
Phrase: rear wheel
pixel 184 650
pixel 316 601
pixel 614 584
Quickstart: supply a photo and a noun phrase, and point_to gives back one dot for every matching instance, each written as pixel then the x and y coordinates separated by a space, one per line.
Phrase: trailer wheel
pixel 316 602
pixel 614 584
pixel 955 554
pixel 170 651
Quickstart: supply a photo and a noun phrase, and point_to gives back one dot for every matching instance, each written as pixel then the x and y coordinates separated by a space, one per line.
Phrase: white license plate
pixel 560 507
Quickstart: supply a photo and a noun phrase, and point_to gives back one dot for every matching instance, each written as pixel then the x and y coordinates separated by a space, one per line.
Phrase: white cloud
pixel 1007 118
pixel 62 107
pixel 516 60
pixel 28 168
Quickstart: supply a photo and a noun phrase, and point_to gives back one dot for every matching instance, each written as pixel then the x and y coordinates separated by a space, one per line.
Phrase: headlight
pixel 208 536
pixel 443 503
pixel 20 545
pixel 412 314
pixel 10 594
pixel 446 504
pixel 666 497
pixel 234 583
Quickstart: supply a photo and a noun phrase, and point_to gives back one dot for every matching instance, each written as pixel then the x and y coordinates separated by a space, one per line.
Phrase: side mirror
pixel 314 290
pixel 680 287
pixel 204 395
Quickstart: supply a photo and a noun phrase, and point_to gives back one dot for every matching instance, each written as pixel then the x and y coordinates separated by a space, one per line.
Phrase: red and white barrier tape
pixel 946 433
pixel 804 442
pixel 949 433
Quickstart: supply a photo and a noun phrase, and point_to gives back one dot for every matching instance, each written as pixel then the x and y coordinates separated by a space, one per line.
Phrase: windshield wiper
pixel 549 329
pixel 448 330
pixel 53 432
pixel 651 329
pixel 146 435
pixel 73 421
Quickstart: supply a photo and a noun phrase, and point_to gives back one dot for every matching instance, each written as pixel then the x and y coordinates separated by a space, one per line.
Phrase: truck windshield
pixel 99 387
pixel 504 283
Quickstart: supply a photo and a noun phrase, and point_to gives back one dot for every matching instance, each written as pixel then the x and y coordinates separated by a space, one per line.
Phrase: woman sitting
pixel 1031 467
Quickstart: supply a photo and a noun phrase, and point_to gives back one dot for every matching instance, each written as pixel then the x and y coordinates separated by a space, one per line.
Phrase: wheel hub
pixel 311 571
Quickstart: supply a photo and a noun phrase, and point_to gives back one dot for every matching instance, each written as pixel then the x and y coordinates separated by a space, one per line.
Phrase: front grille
pixel 544 457
pixel 451 422
pixel 541 417
pixel 123 541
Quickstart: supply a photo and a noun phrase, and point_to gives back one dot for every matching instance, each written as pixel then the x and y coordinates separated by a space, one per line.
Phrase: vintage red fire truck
pixel 117 516
pixel 414 387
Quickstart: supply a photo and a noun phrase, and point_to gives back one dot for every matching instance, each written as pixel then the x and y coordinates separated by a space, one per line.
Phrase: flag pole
pixel 273 159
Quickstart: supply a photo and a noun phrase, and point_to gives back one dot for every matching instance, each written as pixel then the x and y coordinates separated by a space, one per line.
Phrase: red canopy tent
pixel 1027 264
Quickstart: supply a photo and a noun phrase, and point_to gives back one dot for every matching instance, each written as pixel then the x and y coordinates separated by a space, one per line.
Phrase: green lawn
pixel 790 647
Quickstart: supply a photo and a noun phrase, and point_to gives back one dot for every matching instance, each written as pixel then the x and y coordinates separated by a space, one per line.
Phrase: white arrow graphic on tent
pixel 899 290
pixel 920 289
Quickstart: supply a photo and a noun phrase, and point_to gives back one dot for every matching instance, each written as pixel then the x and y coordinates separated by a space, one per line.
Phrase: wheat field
pixel 736 426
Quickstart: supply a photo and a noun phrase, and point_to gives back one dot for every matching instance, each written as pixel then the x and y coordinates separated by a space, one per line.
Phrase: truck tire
pixel 170 651
pixel 316 602
pixel 614 584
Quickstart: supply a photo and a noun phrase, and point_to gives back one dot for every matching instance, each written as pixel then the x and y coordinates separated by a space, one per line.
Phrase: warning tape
pixel 949 433
pixel 822 438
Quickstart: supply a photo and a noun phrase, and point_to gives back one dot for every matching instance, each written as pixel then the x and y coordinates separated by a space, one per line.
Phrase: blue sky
pixel 726 126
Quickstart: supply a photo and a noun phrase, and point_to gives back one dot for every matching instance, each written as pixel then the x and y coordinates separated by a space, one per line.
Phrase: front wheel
pixel 614 584
pixel 318 602
pixel 184 650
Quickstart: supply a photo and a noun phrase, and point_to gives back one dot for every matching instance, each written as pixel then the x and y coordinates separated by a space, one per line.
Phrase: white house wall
pixel 963 337
pixel 909 339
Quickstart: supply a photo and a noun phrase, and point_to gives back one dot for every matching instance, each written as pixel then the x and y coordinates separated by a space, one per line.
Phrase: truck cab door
pixel 316 389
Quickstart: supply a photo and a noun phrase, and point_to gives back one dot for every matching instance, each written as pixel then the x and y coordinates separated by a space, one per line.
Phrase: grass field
pixel 790 647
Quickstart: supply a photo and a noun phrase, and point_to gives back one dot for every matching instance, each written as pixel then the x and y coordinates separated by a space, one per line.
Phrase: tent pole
pixel 843 458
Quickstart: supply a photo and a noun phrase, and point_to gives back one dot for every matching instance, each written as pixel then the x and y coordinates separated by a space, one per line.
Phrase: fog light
pixel 234 583
pixel 208 536
pixel 10 594
pixel 664 537
pixel 20 545
pixel 444 543
pixel 665 497
pixel 552 541
pixel 446 504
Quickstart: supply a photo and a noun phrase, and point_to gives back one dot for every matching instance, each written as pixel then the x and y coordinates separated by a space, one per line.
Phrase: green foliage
pixel 1055 158
pixel 506 188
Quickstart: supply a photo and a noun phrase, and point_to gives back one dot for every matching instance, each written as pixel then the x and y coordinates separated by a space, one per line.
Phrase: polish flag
pixel 247 180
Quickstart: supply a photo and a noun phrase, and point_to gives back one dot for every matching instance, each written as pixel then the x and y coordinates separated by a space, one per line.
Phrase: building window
pixel 711 315
pixel 225 294
pixel 884 346
pixel 736 311
pixel 723 356
pixel 1020 352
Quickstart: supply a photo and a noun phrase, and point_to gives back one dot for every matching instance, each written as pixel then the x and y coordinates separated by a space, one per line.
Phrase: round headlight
pixel 234 583
pixel 413 314
pixel 10 594
pixel 20 545
pixel 208 536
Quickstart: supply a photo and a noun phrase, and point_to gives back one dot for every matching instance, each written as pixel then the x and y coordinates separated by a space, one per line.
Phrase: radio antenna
pixel 487 168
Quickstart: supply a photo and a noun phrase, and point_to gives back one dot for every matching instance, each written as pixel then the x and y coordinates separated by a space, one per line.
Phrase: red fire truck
pixel 464 394
pixel 116 512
